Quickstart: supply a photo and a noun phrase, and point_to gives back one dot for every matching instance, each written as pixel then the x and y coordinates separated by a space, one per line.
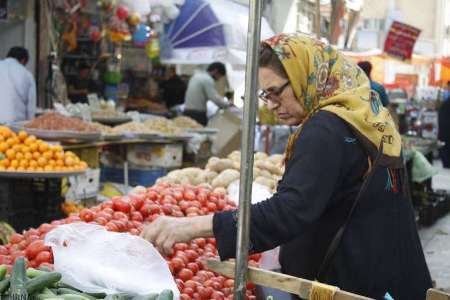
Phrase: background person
pixel 17 87
pixel 379 88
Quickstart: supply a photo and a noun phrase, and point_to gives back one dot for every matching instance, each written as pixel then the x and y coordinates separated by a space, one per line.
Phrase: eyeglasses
pixel 267 96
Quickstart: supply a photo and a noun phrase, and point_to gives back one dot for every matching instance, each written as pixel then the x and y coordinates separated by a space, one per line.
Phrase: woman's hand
pixel 164 232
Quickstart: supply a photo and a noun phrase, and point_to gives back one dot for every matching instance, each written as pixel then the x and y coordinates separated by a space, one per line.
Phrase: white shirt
pixel 201 89
pixel 17 92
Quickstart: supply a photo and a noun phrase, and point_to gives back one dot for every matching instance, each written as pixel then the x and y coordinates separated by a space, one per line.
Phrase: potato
pixel 219 165
pixel 235 155
pixel 236 165
pixel 266 165
pixel 261 156
pixel 270 183
pixel 221 190
pixel 277 159
pixel 210 175
pixel 225 178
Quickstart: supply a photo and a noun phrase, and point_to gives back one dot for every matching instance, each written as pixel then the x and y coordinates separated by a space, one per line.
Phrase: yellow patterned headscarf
pixel 323 79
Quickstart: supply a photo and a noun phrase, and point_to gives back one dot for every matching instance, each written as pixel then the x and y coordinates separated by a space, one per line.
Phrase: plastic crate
pixel 144 177
pixel 26 203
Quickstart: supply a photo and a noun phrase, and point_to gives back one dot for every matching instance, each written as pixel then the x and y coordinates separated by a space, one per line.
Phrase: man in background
pixel 201 89
pixel 17 87
pixel 173 89
pixel 82 85
pixel 377 87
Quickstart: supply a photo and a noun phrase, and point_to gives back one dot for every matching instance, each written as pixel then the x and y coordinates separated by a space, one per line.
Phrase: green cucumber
pixel 4 284
pixel 18 280
pixel 47 291
pixel 3 270
pixel 44 269
pixel 45 296
pixel 97 295
pixel 73 297
pixel 65 291
pixel 151 296
pixel 32 272
pixel 65 285
pixel 39 283
pixel 165 295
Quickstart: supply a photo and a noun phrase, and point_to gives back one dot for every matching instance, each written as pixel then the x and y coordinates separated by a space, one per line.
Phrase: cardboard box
pixel 141 156
pixel 228 138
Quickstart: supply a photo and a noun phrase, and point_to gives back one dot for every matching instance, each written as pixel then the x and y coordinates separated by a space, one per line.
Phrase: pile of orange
pixel 25 153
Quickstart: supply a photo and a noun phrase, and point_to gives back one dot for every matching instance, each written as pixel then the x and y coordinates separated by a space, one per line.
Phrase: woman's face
pixel 284 104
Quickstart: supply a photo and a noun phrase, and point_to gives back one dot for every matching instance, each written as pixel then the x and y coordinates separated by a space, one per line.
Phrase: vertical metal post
pixel 247 148
pixel 317 20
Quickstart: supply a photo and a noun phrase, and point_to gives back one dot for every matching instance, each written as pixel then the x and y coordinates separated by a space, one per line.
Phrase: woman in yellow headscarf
pixel 341 213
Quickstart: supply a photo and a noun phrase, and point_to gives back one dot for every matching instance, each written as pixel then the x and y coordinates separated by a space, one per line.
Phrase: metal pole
pixel 318 24
pixel 247 148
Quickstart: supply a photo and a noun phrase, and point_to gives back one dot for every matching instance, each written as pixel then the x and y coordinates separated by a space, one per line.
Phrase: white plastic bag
pixel 95 260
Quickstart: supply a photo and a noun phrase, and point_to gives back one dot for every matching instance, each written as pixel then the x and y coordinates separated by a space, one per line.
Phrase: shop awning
pixel 207 31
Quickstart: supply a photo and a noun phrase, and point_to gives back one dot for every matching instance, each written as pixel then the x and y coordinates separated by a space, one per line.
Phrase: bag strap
pixel 328 259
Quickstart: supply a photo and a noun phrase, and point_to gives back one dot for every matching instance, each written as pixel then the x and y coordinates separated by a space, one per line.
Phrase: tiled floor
pixel 436 238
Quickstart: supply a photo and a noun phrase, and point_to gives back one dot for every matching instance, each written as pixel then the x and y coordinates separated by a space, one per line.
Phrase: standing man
pixel 17 87
pixel 377 87
pixel 173 89
pixel 201 89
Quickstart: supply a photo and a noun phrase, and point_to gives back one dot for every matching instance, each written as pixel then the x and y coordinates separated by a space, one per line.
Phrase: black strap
pixel 328 259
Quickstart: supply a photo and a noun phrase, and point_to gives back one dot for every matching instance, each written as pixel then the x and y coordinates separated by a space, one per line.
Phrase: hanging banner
pixel 3 9
pixel 400 41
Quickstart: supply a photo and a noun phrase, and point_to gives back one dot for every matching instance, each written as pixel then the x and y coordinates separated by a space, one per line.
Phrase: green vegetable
pixel 39 283
pixel 66 291
pixel 44 296
pixel 47 291
pixel 18 280
pixel 151 296
pixel 73 297
pixel 32 272
pixel 65 285
pixel 3 271
pixel 45 269
pixel 97 295
pixel 165 295
pixel 4 284
pixel 121 296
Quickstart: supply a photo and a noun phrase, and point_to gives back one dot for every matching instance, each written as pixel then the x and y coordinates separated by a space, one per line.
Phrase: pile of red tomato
pixel 128 214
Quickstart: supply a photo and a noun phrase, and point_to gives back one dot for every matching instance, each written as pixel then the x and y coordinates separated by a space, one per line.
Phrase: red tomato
pixel 183 204
pixel 145 210
pixel 216 295
pixel 23 244
pixel 203 275
pixel 202 198
pixel 44 257
pixel 6 260
pixel 229 283
pixel 119 215
pixel 190 283
pixel 111 227
pixel 188 291
pixel 104 215
pixel 205 292
pixel 227 291
pixel 136 216
pixel 180 284
pixel 120 204
pixel 181 246
pixel 178 195
pixel 35 248
pixel 201 242
pixel 221 203
pixel 44 228
pixel 101 221
pixel 250 286
pixel 197 296
pixel 189 195
pixel 152 195
pixel 86 215
pixel 211 241
pixel 137 200
pixel 3 250
pixel 106 204
pixel 185 297
pixel 177 263
pixel 193 267
pixel 152 218
pixel 167 209
pixel 192 209
pixel 191 255
pixel 31 231
pixel 155 209
pixel 185 274
pixel 134 231
pixel 212 207
pixel 16 238
pixel 177 214
pixel 213 199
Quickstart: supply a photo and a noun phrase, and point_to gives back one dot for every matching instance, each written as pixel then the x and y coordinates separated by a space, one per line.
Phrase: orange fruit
pixel 19 155
pixel 28 156
pixel 33 164
pixel 48 168
pixel 10 142
pixel 52 162
pixel 10 153
pixel 83 164
pixel 39 169
pixel 59 155
pixel 60 163
pixel 26 149
pixel 34 147
pixel 5 162
pixel 2 168
pixel 36 155
pixel 3 147
pixel 42 162
pixel 14 163
pixel 58 148
pixel 11 169
pixel 17 148
pixel 22 135
pixel 69 153
pixel 43 147
pixel 5 131
pixel 21 169
pixel 69 161
pixel 48 154
pixel 31 169
pixel 24 163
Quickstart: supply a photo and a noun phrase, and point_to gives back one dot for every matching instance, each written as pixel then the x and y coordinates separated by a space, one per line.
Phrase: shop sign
pixel 400 41
pixel 3 9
